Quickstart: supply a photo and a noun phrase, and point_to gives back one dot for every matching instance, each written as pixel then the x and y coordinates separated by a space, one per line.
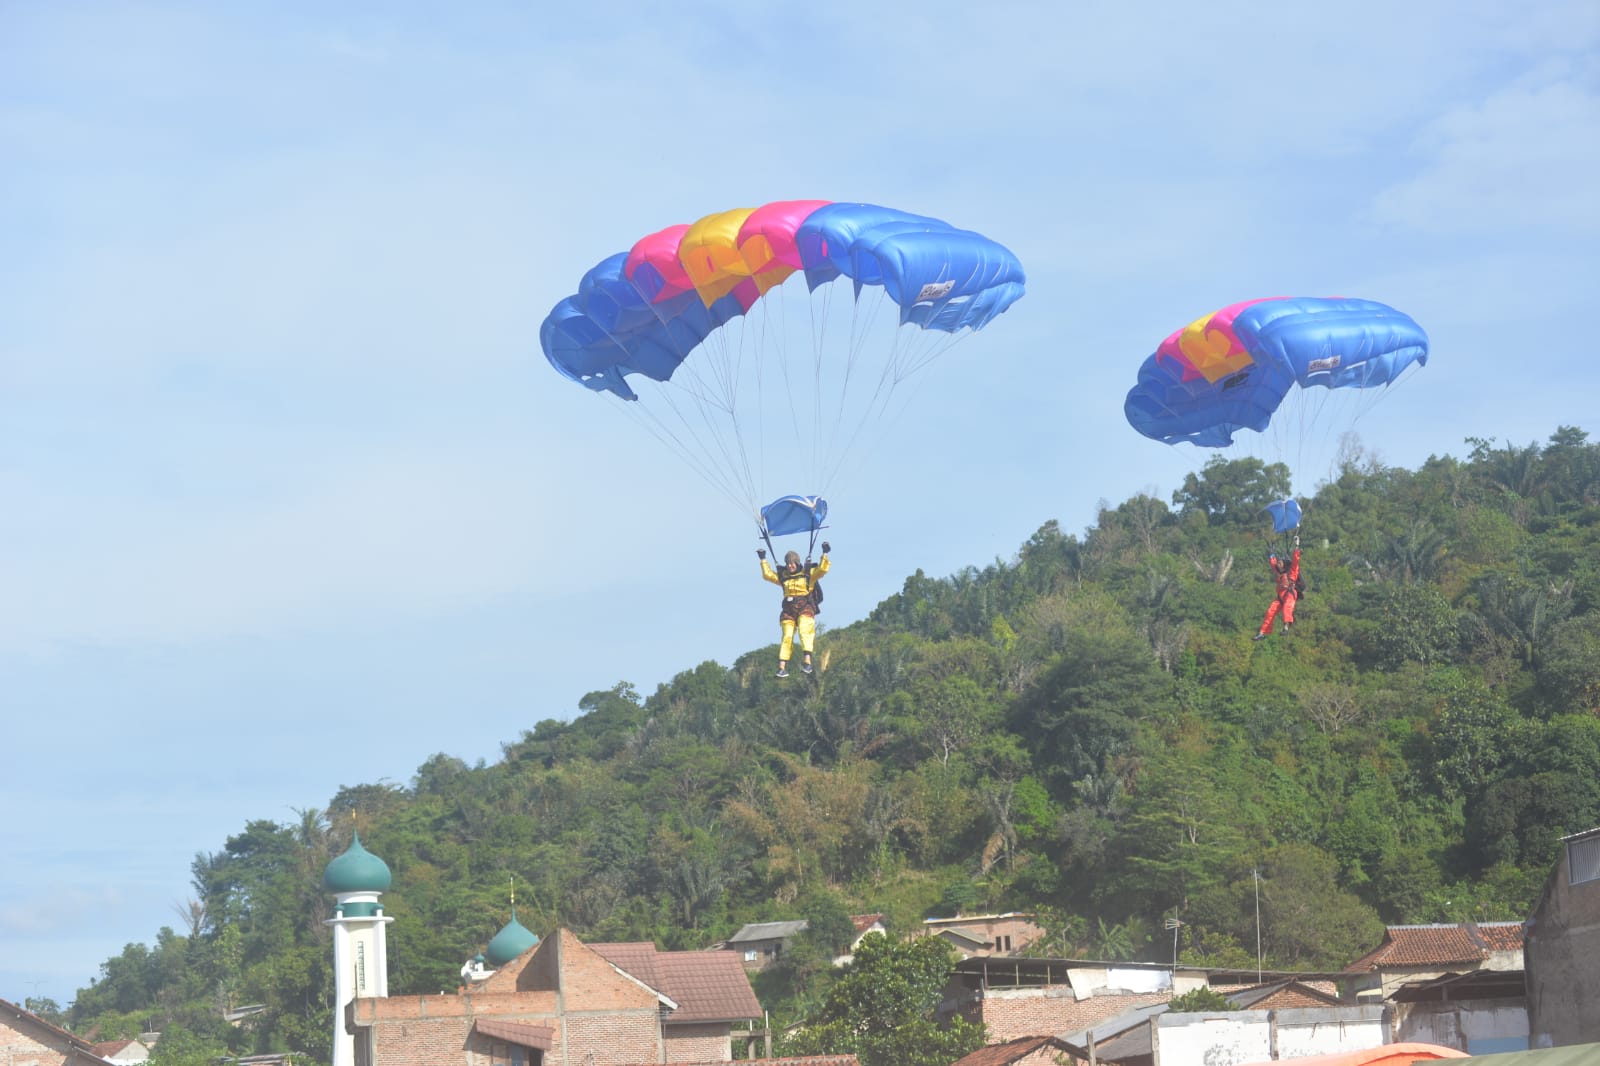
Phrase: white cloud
pixel 1506 163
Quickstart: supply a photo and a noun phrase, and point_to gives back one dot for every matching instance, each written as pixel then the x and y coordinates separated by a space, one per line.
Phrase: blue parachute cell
pixel 794 514
pixel 1285 515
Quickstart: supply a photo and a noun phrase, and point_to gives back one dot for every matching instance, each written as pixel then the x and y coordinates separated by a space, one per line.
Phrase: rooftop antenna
pixel 1175 925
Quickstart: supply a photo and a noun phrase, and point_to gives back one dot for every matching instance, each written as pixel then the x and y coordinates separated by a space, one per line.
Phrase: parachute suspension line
pixel 654 425
pixel 772 551
pixel 874 405
pixel 711 405
pixel 1381 394
pixel 843 436
pixel 696 387
pixel 715 441
pixel 713 392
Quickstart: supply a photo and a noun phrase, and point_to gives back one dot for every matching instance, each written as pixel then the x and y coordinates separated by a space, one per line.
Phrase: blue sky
pixel 290 500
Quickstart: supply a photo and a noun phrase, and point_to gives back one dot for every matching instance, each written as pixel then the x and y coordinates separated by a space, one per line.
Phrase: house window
pixel 1583 860
pixel 749 954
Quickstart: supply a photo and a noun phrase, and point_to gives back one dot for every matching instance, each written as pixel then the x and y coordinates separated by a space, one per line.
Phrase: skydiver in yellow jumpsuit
pixel 799 605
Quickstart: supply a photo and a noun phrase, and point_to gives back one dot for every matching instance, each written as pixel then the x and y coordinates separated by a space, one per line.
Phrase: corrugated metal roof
pixel 768 931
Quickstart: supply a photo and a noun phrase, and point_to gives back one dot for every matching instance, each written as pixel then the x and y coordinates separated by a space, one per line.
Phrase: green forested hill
pixel 1085 730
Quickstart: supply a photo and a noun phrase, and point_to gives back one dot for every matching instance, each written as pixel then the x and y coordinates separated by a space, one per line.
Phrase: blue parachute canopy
pixel 1285 515
pixel 1231 369
pixel 793 514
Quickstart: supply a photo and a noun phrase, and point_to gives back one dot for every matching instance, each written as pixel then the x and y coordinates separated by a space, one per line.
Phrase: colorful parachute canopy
pixel 644 311
pixel 1230 370
pixel 794 514
pixel 1285 515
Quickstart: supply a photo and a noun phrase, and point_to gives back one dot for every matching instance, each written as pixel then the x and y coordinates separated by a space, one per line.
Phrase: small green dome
pixel 510 942
pixel 357 870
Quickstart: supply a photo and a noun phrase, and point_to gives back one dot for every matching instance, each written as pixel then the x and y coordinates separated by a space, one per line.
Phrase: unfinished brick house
pixel 526 1002
pixel 28 1040
pixel 984 934
pixel 564 1001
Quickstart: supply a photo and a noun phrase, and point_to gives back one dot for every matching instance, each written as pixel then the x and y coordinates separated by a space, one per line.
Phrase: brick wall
pixel 421 1041
pixel 20 1049
pixel 588 979
pixel 1013 1012
pixel 699 1043
pixel 28 1041
pixel 613 1038
pixel 1009 1017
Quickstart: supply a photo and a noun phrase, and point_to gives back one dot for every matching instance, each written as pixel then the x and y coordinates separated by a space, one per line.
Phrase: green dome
pixel 357 870
pixel 510 942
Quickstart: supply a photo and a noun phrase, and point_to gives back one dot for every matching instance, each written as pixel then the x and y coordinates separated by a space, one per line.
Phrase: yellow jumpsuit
pixel 798 612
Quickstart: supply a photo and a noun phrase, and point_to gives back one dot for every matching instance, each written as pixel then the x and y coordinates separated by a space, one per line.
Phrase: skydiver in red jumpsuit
pixel 1285 577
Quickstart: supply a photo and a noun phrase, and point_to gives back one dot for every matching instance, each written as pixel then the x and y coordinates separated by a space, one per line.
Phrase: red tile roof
pixel 1012 1051
pixel 1503 936
pixel 108 1049
pixel 707 986
pixel 1439 945
pixel 541 1037
pixel 863 922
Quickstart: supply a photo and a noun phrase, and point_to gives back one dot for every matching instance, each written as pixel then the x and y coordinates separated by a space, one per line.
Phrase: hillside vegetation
pixel 1085 730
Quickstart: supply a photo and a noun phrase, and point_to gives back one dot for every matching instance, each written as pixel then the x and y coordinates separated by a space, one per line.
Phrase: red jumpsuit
pixel 1285 597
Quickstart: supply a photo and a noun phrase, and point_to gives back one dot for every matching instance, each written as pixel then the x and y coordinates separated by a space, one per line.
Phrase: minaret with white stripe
pixel 360 952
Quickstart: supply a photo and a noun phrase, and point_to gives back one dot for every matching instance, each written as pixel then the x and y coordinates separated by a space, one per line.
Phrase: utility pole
pixel 1256 874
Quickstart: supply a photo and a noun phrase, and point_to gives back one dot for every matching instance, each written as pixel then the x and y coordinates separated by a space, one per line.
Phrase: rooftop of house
pixel 1004 1054
pixel 967 919
pixel 707 986
pixel 15 1015
pixel 110 1049
pixel 863 922
pixel 1253 997
pixel 768 931
pixel 1439 945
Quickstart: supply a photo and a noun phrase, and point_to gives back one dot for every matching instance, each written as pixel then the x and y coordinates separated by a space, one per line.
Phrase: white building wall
pixel 1309 1031
pixel 1228 1038
pixel 1481 1027
pixel 1222 1039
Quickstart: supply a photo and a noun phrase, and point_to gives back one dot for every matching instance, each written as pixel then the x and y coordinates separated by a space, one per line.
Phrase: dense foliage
pixel 1085 730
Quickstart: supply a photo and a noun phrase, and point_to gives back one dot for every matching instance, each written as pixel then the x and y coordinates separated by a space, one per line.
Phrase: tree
pixel 1232 491
pixel 1200 1001
pixel 1569 664
pixel 180 1046
pixel 1416 624
pixel 1307 920
pixel 882 1009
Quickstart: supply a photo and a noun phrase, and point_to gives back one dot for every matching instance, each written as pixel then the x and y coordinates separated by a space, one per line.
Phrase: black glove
pixel 826 547
pixel 761 553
